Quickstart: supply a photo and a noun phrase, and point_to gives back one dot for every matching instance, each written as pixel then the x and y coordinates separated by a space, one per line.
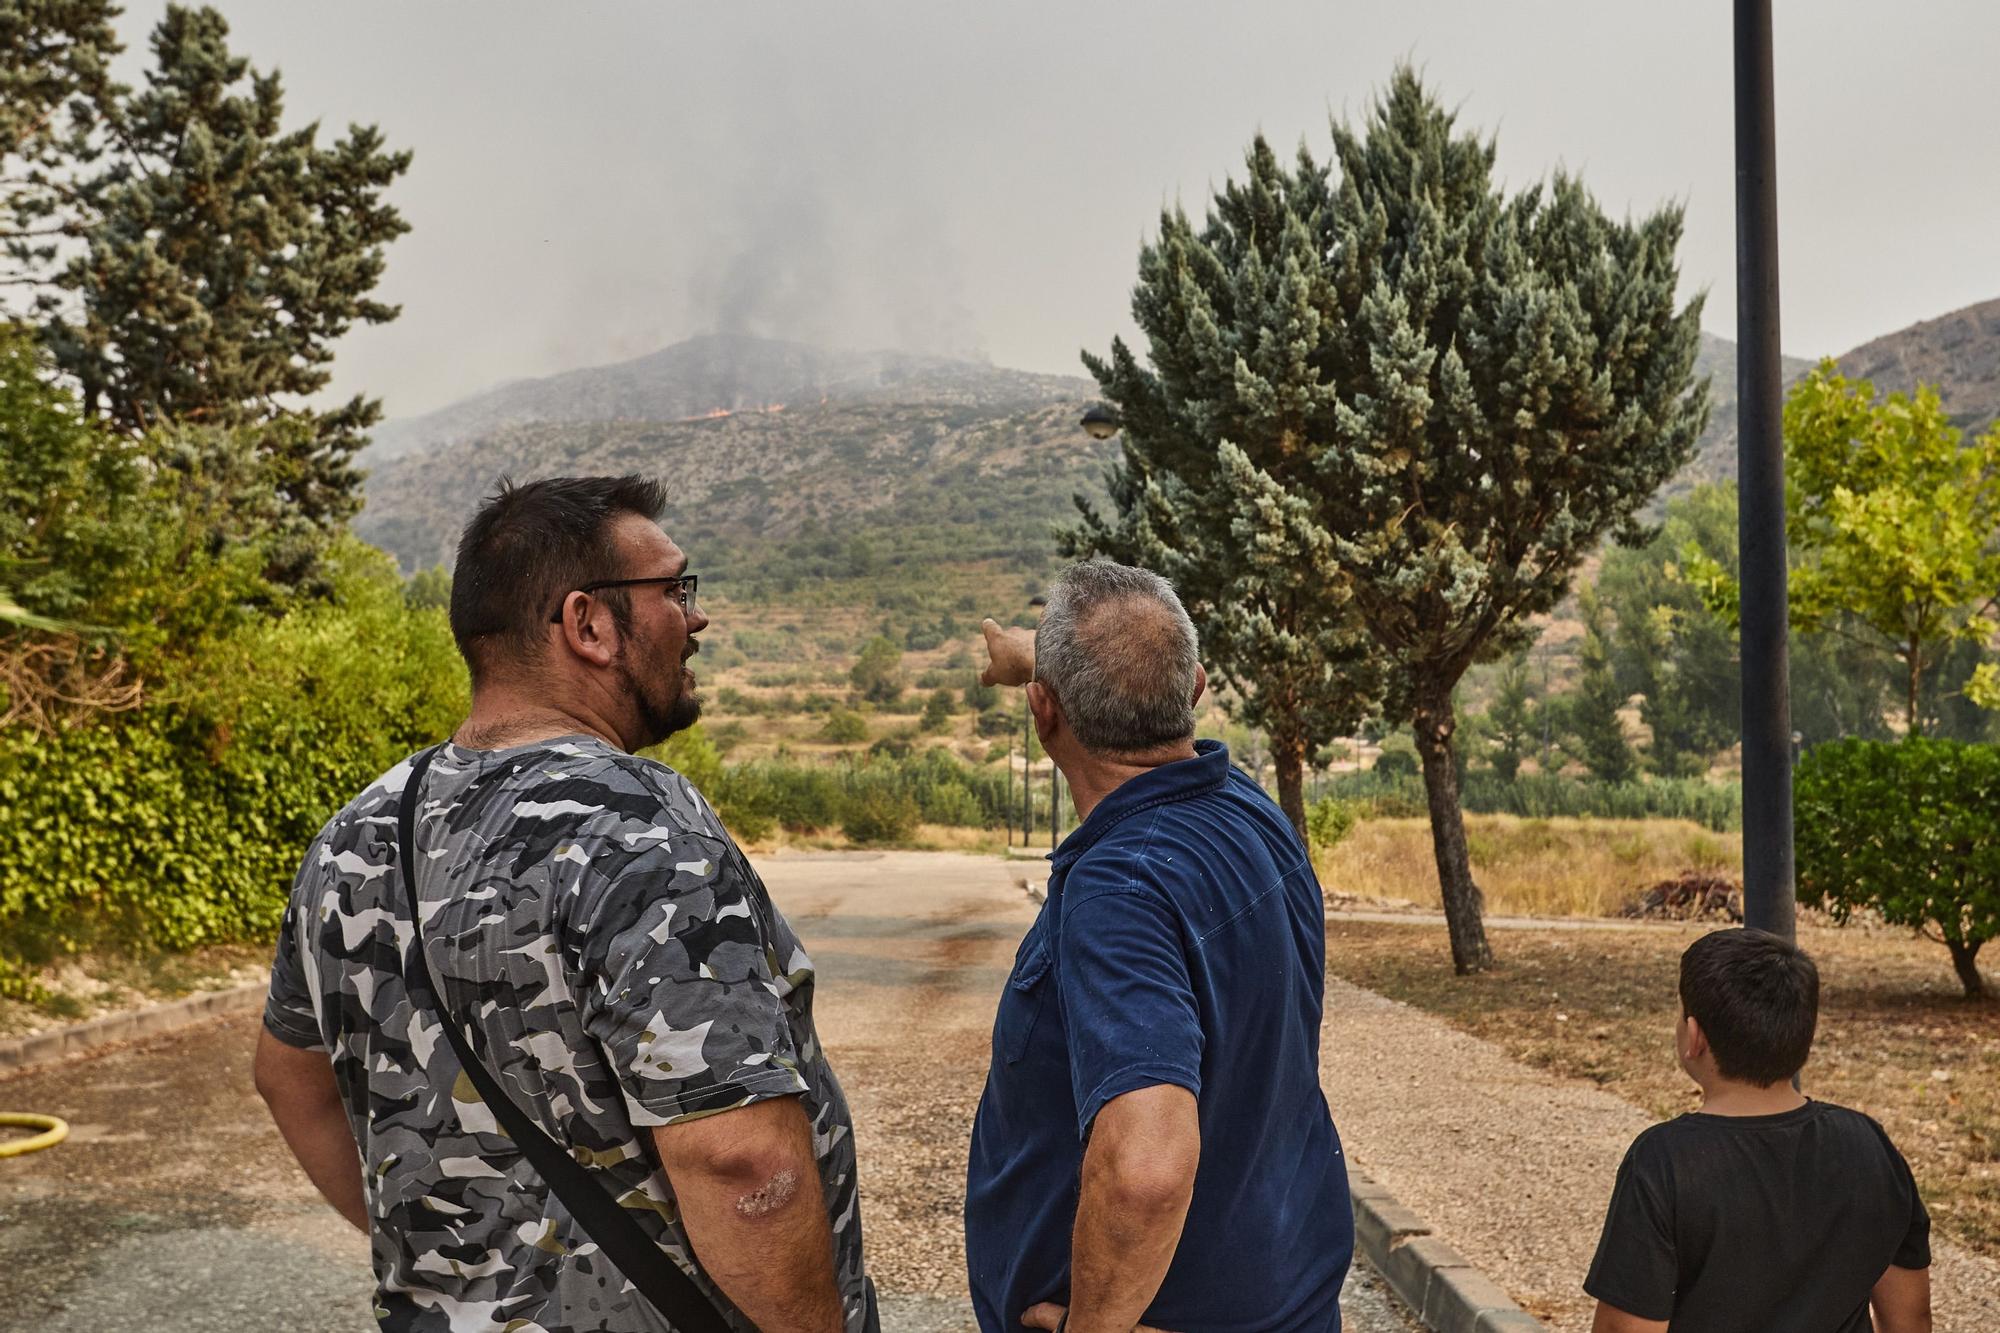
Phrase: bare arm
pixel 750 1198
pixel 1010 654
pixel 1902 1301
pixel 1611 1319
pixel 299 1088
pixel 1138 1178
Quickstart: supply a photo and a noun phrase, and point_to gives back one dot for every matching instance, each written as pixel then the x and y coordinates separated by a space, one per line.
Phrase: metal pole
pixel 1009 806
pixel 1027 771
pixel 1055 807
pixel 1760 487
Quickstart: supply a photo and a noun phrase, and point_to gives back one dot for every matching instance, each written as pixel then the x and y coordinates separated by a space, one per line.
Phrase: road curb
pixel 57 1043
pixel 1438 1284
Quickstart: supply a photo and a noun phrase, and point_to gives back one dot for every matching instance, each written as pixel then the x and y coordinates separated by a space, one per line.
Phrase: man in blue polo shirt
pixel 1153 1148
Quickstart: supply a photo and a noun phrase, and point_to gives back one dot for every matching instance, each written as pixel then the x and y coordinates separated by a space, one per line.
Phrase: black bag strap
pixel 658 1278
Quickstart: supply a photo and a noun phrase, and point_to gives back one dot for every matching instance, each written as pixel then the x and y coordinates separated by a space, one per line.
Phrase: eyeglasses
pixel 683 583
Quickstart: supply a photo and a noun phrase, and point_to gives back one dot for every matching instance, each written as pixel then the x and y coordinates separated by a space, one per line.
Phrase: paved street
pixel 175 1206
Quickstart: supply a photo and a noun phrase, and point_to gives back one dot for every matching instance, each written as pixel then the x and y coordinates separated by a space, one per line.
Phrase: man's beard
pixel 664 710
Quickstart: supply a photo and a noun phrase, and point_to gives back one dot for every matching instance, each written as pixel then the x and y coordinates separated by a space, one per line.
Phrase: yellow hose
pixel 54 1131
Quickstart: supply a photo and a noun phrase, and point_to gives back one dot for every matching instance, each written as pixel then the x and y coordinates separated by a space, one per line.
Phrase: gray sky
pixel 595 181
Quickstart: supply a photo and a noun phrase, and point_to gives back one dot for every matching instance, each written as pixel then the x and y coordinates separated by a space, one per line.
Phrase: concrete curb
pixel 1443 1289
pixel 56 1043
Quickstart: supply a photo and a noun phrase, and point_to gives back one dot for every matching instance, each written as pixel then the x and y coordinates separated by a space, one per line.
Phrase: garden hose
pixel 53 1131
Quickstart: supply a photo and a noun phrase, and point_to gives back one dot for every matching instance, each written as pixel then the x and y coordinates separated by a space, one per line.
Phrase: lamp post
pixel 1760 489
pixel 1035 603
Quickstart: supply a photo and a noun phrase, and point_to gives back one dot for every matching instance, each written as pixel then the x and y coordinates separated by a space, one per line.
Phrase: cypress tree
pixel 1217 451
pixel 1462 393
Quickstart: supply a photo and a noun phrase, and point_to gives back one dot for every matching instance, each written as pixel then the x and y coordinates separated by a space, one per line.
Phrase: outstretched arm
pixel 1010 654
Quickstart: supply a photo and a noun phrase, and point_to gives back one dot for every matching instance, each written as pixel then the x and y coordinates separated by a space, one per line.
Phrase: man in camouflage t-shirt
pixel 620 968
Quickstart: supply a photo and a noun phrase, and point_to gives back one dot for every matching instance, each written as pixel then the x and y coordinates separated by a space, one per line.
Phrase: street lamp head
pixel 1100 422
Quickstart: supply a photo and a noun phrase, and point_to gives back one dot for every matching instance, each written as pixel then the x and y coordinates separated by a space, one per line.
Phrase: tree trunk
pixel 1964 961
pixel 1434 722
pixel 1912 725
pixel 1288 756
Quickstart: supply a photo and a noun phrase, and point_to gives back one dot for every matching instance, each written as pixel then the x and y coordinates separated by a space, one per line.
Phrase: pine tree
pixel 222 257
pixel 1511 723
pixel 1594 732
pixel 55 86
pixel 1449 396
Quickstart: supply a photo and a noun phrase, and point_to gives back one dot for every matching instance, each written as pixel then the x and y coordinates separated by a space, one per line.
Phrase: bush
pixel 1328 820
pixel 844 726
pixel 1906 829
pixel 1714 805
pixel 183 823
pixel 877 675
pixel 877 813
pixel 937 712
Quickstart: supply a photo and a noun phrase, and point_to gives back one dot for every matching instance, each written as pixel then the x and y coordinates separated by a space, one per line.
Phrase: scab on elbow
pixel 770 1197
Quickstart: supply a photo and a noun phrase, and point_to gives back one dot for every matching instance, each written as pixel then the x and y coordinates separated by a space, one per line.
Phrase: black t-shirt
pixel 1763 1224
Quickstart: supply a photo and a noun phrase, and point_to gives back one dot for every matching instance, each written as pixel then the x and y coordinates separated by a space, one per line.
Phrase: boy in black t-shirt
pixel 1763 1212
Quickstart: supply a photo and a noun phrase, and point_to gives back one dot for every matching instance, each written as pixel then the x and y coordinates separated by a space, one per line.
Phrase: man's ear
pixel 588 630
pixel 1696 1039
pixel 1200 684
pixel 1047 712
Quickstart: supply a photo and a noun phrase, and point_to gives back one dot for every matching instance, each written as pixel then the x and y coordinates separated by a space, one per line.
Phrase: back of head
pixel 525 549
pixel 1756 997
pixel 1117 649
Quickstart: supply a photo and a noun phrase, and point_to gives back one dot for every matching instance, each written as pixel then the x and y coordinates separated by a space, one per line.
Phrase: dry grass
pixel 1530 867
pixel 926 838
pixel 1895 1038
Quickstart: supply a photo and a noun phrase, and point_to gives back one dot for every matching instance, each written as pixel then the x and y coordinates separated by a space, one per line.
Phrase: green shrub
pixel 1328 820
pixel 879 813
pixel 938 711
pixel 1397 761
pixel 844 726
pixel 1908 830
pixel 1714 805
pixel 183 823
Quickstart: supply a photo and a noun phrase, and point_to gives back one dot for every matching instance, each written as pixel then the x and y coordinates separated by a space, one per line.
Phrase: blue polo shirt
pixel 1182 942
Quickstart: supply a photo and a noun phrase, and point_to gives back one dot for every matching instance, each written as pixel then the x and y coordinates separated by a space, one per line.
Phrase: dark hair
pixel 527 548
pixel 1757 999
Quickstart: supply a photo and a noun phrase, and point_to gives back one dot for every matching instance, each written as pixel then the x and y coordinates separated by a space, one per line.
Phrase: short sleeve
pixel 1128 1003
pixel 1636 1268
pixel 290 1012
pixel 1914 1250
pixel 681 985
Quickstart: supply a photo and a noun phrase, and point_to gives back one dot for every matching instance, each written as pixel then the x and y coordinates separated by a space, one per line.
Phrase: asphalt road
pixel 175 1206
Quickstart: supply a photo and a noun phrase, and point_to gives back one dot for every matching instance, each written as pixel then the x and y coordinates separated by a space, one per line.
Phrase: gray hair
pixel 1118 650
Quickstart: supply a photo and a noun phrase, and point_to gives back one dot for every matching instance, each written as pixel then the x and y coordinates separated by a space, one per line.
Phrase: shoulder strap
pixel 658 1278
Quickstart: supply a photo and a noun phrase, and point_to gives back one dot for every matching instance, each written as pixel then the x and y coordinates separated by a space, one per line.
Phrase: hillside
pixel 719 374
pixel 1958 352
pixel 1715 453
pixel 908 487
pixel 825 465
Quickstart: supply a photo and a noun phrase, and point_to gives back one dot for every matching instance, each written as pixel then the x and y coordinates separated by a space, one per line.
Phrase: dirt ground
pixel 174 1205
pixel 1895 1039
pixel 1559 1056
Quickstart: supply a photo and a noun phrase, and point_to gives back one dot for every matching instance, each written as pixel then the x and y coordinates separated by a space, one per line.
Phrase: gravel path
pixel 1513 1166
pixel 174 1205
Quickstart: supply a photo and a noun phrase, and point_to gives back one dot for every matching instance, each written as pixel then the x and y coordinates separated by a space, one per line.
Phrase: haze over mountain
pixel 923 461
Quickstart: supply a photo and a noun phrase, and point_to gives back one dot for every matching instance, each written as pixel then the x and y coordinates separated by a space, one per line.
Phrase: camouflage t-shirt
pixel 618 964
